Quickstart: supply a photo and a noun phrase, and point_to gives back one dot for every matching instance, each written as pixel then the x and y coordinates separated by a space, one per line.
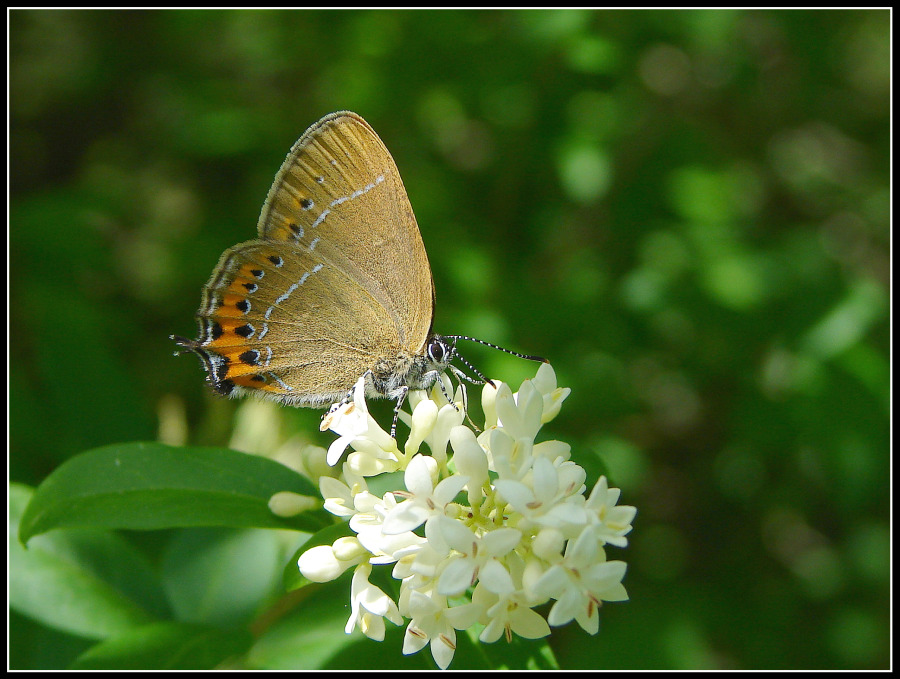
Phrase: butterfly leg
pixel 460 375
pixel 400 400
pixel 465 394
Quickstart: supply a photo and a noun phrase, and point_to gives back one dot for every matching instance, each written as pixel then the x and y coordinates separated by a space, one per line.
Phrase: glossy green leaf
pixel 67 581
pixel 220 576
pixel 148 486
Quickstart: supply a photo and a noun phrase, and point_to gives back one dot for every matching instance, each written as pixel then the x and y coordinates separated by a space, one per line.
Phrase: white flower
pixel 370 606
pixel 471 461
pixel 611 523
pixel 580 582
pixel 433 622
pixel 553 450
pixel 489 404
pixel 449 415
pixel 340 497
pixel 545 383
pixel 286 503
pixel 527 535
pixel 418 568
pixel 543 501
pixel 387 549
pixel 424 498
pixel 548 544
pixel 510 458
pixel 424 416
pixel 357 428
pixel 325 563
pixel 520 415
pixel 476 557
pixel 507 614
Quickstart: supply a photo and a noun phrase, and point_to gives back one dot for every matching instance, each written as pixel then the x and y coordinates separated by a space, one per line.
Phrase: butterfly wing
pixel 339 186
pixel 338 278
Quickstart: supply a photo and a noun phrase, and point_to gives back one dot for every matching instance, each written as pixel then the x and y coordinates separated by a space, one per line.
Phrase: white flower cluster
pixel 527 535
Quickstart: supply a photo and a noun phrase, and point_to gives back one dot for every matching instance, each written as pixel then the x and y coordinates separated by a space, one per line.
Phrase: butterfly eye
pixel 436 351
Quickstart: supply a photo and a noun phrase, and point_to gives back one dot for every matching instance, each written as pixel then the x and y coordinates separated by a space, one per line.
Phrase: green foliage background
pixel 687 212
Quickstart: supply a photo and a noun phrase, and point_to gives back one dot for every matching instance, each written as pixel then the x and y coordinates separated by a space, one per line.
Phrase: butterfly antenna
pixel 459 373
pixel 540 359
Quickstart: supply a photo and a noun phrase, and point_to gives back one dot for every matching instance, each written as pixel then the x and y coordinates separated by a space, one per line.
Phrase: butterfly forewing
pixel 339 186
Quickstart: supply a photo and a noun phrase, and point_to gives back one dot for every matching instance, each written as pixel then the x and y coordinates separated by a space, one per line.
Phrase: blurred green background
pixel 687 212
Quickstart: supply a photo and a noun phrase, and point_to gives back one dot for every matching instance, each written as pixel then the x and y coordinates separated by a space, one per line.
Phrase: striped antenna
pixel 494 346
pixel 483 379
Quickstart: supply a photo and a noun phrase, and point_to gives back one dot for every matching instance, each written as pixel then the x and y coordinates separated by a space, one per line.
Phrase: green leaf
pixel 74 582
pixel 220 576
pixel 166 646
pixel 148 486
pixel 311 632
